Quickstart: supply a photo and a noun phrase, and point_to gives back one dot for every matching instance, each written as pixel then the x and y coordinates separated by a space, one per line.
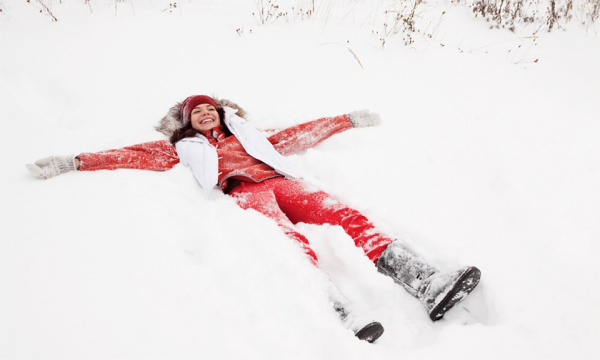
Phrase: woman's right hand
pixel 52 166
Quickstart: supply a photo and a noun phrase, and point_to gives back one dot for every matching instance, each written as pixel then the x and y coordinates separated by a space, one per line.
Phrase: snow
pixel 484 157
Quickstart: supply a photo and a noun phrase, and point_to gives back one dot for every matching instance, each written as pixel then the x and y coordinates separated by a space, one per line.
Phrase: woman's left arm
pixel 304 136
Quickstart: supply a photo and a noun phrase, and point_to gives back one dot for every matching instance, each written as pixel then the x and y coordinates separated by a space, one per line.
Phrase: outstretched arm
pixel 304 136
pixel 155 155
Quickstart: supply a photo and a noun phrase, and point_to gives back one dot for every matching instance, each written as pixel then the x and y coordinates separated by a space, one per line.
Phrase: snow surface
pixel 484 157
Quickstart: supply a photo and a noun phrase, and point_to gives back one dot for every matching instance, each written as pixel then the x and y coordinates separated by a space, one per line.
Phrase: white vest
pixel 199 155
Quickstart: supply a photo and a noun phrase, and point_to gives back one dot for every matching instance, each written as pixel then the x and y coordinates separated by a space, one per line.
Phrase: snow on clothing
pixel 235 163
pixel 202 157
pixel 155 155
pixel 292 201
pixel 215 159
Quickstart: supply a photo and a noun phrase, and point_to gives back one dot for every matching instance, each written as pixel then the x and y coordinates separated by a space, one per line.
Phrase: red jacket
pixel 234 162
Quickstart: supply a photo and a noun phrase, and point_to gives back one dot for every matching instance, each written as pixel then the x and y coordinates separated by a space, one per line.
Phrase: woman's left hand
pixel 363 118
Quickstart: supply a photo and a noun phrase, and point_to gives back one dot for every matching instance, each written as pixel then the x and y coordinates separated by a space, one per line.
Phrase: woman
pixel 212 139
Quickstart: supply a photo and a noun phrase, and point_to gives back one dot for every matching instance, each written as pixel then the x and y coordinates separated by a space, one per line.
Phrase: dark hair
pixel 188 131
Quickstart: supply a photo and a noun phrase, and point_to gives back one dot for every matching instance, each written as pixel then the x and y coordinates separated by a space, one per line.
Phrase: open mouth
pixel 207 121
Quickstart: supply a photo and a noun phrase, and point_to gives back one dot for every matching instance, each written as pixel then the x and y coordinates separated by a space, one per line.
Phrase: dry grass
pixel 512 13
pixel 44 8
pixel 267 11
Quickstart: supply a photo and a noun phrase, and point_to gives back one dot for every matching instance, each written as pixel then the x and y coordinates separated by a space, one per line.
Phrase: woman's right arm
pixel 155 155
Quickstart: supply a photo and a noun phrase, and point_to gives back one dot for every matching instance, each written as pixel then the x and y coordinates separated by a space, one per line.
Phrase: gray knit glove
pixel 362 118
pixel 51 166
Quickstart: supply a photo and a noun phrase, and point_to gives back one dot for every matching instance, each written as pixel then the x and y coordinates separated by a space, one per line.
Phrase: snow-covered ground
pixel 484 157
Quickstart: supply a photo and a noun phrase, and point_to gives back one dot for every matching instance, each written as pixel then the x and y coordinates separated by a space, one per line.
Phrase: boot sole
pixel 464 285
pixel 371 332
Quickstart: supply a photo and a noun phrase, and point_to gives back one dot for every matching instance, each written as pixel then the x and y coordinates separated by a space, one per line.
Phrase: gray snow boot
pixel 363 328
pixel 439 292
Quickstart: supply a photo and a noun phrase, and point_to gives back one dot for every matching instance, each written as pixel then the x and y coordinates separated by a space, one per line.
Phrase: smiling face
pixel 204 117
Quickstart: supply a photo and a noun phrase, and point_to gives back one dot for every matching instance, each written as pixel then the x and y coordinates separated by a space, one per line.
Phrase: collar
pixel 214 135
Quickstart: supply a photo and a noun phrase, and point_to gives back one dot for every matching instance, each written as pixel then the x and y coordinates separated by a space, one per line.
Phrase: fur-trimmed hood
pixel 173 119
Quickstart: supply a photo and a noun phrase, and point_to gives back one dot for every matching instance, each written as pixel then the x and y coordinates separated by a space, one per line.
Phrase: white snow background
pixel 484 157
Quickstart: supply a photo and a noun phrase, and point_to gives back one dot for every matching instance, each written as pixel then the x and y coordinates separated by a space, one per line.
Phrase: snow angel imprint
pixel 211 137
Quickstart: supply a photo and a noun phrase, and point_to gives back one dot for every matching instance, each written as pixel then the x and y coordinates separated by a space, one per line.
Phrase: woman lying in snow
pixel 212 139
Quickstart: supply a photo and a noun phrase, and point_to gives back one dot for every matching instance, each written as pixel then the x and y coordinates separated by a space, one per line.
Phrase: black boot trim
pixel 370 332
pixel 464 285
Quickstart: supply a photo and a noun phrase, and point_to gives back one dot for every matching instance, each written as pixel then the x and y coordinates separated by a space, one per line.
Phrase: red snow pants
pixel 290 201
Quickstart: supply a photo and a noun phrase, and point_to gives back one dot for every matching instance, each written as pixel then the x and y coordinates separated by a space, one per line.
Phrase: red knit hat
pixel 191 102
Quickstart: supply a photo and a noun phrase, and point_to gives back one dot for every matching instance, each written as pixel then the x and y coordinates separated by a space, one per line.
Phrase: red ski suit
pixel 257 186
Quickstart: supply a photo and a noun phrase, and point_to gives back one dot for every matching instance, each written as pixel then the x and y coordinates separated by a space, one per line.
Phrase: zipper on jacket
pixel 212 133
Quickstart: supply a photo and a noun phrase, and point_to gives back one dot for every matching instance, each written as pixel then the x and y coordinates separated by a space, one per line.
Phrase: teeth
pixel 207 120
